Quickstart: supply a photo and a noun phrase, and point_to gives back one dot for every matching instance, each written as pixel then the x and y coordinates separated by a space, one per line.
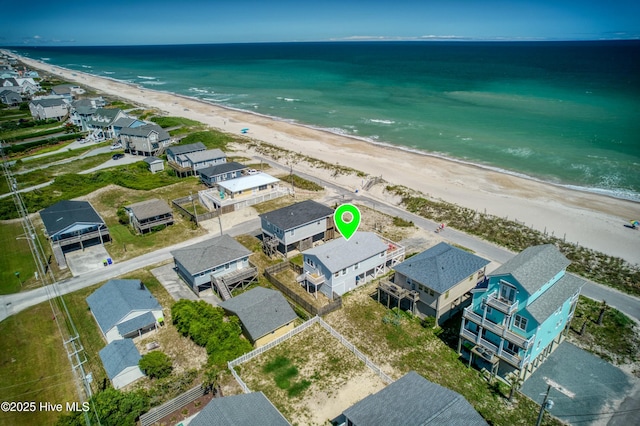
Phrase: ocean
pixel 566 113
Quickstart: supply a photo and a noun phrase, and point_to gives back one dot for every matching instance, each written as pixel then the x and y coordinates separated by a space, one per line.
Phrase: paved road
pixel 14 303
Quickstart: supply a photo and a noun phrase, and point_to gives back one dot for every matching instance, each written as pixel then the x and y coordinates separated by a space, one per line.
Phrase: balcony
pixel 312 278
pixel 488 350
pixel 497 329
pixel 496 302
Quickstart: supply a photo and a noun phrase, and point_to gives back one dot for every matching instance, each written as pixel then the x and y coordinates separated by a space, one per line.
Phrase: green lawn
pixel 16 257
pixel 34 365
pixel 32 132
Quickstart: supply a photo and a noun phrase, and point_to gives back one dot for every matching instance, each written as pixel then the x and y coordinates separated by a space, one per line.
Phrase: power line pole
pixel 543 406
pixel 64 322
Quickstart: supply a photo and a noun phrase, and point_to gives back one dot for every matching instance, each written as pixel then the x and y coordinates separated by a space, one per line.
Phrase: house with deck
pixel 412 400
pixel 124 309
pixel 220 263
pixel 46 108
pixel 120 359
pixel 176 159
pixel 442 278
pixel 101 123
pixel 341 265
pixel 247 409
pixel 521 313
pixel 264 313
pixel 148 214
pixel 238 193
pixel 148 139
pixel 296 227
pixel 190 163
pixel 72 225
pixel 225 171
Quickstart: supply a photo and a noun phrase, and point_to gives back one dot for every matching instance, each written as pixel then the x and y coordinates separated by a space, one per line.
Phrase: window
pixel 511 348
pixel 507 292
pixel 520 322
pixel 227 266
pixel 336 275
pixel 489 309
pixel 344 271
pixel 356 266
pixel 262 187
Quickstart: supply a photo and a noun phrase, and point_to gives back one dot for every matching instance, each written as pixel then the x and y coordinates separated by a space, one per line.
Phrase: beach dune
pixel 592 220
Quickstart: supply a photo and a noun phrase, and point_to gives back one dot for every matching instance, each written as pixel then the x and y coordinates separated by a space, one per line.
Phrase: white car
pixel 116 146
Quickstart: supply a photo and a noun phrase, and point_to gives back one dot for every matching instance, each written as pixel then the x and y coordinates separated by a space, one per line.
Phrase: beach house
pixel 442 276
pixel 341 265
pixel 148 214
pixel 148 139
pixel 264 313
pixel 46 108
pixel 72 225
pixel 247 409
pixel 176 159
pixel 220 263
pixel 412 400
pixel 124 309
pixel 100 124
pixel 238 193
pixel 225 171
pixel 521 313
pixel 296 227
pixel 9 97
pixel 120 359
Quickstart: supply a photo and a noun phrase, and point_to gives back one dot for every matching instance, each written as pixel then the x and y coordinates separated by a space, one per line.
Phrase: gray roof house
pixel 249 409
pixel 124 309
pixel 522 313
pixel 265 314
pixel 42 109
pixel 192 162
pixel 340 265
pixel 101 123
pixel 443 277
pixel 219 172
pixel 413 400
pixel 120 359
pixel 221 263
pixel 145 215
pixel 71 225
pixel 9 97
pixel 149 139
pixel 297 227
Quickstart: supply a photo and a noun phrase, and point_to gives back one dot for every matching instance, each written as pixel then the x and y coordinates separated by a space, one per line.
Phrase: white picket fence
pixel 254 353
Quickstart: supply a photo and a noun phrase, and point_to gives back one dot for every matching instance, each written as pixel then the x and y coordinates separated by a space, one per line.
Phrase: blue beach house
pixel 521 313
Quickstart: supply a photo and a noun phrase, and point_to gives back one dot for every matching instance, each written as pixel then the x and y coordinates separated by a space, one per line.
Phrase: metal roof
pixel 149 208
pixel 65 213
pixel 414 400
pixel 210 253
pixel 339 254
pixel 441 267
pixel 112 302
pixel 119 355
pixel 297 214
pixel 261 311
pixel 534 266
pixel 247 182
pixel 249 409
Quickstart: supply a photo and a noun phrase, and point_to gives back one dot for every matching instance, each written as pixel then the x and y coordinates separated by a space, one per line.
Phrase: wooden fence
pixel 178 202
pixel 270 272
pixel 157 413
pixel 254 353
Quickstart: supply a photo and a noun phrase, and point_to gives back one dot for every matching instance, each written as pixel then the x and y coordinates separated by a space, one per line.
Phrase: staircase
pixel 223 290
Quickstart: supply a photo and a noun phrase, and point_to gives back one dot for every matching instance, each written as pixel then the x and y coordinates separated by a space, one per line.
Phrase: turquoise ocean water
pixel 561 112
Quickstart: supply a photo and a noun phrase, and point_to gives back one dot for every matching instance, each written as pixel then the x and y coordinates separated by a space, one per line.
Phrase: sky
pixel 144 22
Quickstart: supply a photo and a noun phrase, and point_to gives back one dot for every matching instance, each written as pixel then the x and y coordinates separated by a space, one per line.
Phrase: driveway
pixel 604 394
pixel 90 259
pixel 177 288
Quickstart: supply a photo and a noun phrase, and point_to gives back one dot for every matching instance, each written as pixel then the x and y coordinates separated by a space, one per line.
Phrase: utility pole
pixel 543 406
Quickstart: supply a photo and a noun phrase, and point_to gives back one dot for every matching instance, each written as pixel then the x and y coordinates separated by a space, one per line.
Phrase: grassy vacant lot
pixel 33 365
pixel 407 346
pixel 16 259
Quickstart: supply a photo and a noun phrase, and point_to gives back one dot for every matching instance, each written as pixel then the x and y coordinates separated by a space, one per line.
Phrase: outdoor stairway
pixel 223 290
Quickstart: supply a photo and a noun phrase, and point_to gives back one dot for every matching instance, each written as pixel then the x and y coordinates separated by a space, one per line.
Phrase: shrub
pixel 156 364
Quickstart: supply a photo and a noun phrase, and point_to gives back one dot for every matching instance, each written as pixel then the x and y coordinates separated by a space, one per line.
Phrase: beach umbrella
pixel 635 223
pixel 245 130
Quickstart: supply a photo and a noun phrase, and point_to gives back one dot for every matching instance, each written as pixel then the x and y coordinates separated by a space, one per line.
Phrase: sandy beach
pixel 592 220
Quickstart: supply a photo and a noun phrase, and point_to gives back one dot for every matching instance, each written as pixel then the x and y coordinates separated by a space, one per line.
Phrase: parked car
pixel 117 156
pixel 116 146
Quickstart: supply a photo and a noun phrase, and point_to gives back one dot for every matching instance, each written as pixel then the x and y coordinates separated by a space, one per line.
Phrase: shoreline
pixel 588 218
